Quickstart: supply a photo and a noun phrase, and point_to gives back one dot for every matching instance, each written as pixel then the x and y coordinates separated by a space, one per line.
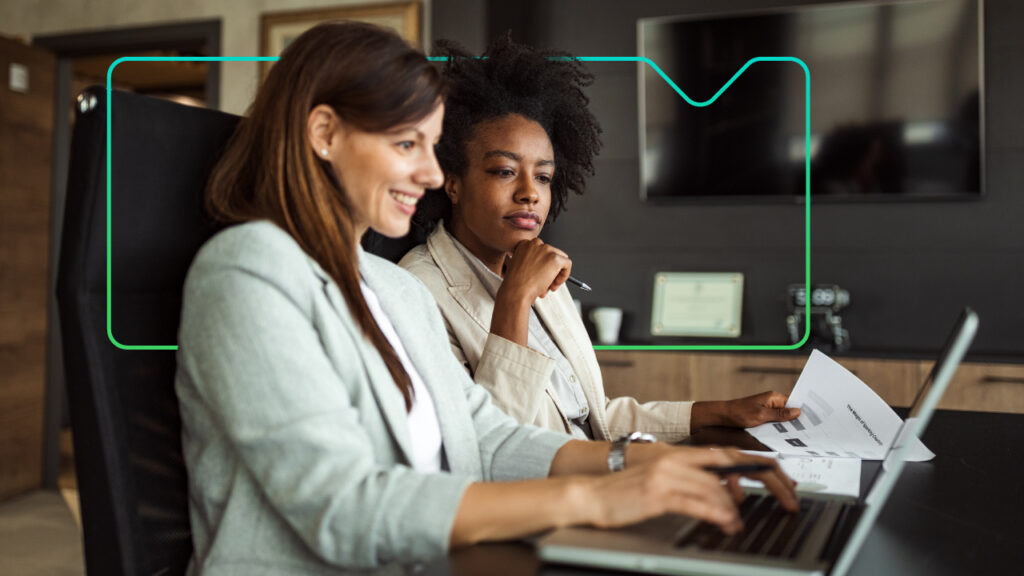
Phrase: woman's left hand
pixel 743 412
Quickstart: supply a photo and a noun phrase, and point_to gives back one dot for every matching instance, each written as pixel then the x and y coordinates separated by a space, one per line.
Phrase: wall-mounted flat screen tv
pixel 895 103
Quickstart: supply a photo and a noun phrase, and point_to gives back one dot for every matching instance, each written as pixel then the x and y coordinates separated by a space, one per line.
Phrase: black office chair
pixel 124 413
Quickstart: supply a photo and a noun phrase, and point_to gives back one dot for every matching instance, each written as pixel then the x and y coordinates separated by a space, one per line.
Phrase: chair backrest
pixel 124 413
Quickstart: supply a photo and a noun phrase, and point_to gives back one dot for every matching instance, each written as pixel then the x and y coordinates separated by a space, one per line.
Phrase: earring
pixel 323 152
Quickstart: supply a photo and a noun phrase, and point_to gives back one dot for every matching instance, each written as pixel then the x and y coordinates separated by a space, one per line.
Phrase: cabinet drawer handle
pixel 616 363
pixel 1002 380
pixel 768 370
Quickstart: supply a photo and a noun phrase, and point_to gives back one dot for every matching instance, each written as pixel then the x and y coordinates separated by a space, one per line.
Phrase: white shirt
pixel 424 429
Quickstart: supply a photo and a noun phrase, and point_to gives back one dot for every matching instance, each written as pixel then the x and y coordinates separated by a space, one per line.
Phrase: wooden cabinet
pixel 896 381
pixel 721 376
pixel 726 376
pixel 985 387
pixel 646 375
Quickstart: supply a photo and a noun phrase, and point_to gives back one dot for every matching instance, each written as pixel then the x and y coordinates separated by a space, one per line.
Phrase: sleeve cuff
pixel 668 421
pixel 533 450
pixel 504 356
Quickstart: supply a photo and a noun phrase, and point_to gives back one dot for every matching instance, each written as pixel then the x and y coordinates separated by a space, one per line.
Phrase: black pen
pixel 740 469
pixel 579 283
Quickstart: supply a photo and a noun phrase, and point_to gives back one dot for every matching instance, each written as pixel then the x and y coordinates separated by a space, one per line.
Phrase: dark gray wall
pixel 909 266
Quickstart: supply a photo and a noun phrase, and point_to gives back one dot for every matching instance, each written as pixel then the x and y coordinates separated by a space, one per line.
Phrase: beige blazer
pixel 294 434
pixel 518 377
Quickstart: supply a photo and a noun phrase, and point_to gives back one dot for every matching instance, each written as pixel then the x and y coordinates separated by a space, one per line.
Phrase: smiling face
pixel 383 174
pixel 505 194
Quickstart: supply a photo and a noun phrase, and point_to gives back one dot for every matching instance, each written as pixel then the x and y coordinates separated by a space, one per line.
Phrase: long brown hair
pixel 371 79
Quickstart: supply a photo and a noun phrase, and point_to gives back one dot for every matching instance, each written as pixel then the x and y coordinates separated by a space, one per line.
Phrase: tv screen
pixel 895 108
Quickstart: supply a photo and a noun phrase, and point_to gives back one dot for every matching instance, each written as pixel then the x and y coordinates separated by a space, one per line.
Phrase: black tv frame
pixel 800 199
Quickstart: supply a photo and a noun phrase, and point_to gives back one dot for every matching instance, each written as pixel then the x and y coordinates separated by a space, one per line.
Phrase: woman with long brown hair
pixel 326 424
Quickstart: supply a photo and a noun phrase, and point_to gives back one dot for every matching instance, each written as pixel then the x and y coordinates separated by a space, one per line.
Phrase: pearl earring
pixel 323 152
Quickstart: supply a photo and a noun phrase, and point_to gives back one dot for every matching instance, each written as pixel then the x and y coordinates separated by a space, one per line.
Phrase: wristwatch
pixel 617 454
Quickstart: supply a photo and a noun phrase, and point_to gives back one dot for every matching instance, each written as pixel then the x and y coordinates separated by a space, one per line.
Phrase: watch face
pixel 617 452
pixel 641 437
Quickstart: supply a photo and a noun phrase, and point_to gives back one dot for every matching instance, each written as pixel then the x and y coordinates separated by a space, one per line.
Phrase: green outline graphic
pixel 638 59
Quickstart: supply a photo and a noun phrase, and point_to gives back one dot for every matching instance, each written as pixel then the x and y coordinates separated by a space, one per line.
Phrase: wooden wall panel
pixel 646 376
pixel 26 151
pixel 985 387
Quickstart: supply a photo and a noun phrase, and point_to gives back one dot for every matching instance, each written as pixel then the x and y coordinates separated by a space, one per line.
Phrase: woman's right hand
pixel 658 479
pixel 534 269
pixel 676 481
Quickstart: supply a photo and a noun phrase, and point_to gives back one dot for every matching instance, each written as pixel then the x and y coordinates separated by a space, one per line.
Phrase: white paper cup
pixel 607 320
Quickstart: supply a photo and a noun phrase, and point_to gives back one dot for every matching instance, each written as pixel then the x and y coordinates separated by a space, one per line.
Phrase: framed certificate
pixel 697 304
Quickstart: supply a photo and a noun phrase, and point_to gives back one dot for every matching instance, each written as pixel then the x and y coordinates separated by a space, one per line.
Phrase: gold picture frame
pixel 277 29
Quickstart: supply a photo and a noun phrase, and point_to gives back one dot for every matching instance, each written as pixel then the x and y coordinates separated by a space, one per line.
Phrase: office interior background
pixel 908 265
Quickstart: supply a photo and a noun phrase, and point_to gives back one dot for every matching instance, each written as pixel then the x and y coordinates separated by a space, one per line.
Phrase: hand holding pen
pixel 578 283
pixel 535 268
pixel 527 249
pixel 532 271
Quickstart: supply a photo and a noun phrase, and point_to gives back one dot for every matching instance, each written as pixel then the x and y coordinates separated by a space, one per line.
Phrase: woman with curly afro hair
pixel 517 138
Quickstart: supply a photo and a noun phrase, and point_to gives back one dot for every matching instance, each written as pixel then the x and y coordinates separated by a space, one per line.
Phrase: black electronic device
pixel 827 330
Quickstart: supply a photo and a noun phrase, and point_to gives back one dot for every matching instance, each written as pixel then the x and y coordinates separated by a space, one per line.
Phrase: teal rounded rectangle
pixel 637 59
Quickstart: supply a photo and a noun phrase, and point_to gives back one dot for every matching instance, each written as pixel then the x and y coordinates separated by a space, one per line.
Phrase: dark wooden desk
pixel 958 514
pixel 961 513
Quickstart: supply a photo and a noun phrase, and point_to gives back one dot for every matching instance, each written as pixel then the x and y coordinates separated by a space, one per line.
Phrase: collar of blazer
pixel 477 301
pixel 389 401
pixel 390 284
pixel 554 309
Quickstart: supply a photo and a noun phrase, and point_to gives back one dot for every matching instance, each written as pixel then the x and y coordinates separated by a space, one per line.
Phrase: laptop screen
pixel 920 413
pixel 925 401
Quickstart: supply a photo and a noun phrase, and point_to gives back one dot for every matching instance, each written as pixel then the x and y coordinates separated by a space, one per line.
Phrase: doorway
pixel 82 59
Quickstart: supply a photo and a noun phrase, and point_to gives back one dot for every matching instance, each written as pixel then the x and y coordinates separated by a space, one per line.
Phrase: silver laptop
pixel 822 539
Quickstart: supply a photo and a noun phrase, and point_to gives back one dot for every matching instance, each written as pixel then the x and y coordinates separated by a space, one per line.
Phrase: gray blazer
pixel 294 434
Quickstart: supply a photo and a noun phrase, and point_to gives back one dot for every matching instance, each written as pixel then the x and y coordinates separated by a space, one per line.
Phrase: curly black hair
pixel 545 86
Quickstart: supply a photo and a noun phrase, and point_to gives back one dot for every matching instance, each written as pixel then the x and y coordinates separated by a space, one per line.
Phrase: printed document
pixel 840 476
pixel 840 417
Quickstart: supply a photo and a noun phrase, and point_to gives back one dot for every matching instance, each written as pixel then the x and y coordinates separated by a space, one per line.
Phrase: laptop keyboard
pixel 768 529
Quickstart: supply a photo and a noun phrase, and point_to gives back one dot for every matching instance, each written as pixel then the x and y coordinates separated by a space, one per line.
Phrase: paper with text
pixel 841 417
pixel 839 476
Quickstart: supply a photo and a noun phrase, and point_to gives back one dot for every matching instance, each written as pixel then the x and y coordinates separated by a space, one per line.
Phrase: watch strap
pixel 617 452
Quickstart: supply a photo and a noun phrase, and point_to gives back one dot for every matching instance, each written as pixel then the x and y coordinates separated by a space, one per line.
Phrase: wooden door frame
pixel 203 36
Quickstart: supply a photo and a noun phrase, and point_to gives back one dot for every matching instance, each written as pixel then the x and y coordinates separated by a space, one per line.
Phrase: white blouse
pixel 424 429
